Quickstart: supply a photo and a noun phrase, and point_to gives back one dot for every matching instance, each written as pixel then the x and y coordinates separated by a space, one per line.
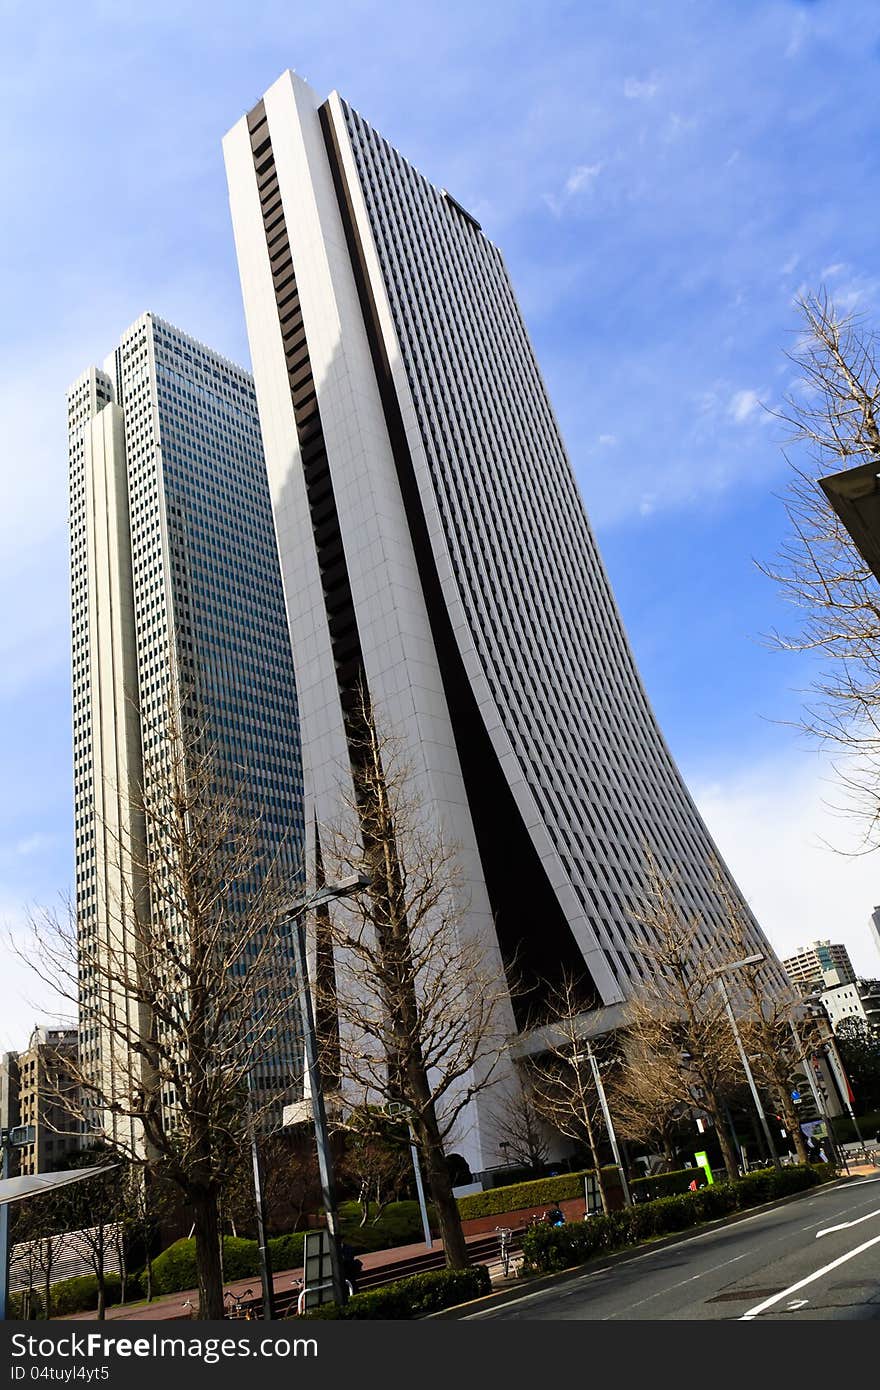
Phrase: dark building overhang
pixel 855 496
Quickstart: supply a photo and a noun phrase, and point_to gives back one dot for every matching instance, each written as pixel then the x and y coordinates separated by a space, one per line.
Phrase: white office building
pixel 176 604
pixel 434 545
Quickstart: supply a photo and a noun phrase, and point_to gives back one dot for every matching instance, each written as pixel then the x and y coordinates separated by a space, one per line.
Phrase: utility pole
pixel 603 1101
pixel 296 916
pixel 15 1137
pixel 755 959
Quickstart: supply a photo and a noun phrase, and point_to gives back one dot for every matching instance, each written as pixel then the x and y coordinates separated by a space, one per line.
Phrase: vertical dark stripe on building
pixel 536 942
pixel 338 603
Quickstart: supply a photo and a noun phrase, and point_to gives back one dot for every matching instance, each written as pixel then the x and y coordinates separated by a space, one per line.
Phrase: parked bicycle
pixel 505 1240
pixel 235 1304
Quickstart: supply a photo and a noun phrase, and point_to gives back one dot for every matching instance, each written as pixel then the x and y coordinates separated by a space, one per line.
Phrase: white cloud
pixel 773 823
pixel 743 405
pixel 830 270
pixel 581 177
pixel 635 90
pixel 26 998
pixel 33 844
pixel 791 264
pixel 607 440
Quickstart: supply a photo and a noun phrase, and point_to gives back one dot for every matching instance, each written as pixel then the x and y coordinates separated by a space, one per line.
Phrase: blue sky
pixel 663 179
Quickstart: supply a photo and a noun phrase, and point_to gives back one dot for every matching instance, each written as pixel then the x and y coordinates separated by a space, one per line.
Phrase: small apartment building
pixel 48 1100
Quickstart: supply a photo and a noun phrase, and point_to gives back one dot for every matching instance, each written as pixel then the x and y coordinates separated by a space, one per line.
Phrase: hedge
pixel 540 1192
pixel 550 1248
pixel 78 1295
pixel 665 1184
pixel 414 1297
pixel 286 1252
pixel 175 1269
pixel 399 1224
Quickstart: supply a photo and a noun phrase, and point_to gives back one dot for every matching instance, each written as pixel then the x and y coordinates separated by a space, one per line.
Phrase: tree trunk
pixel 148 1271
pixel 102 1294
pixel 597 1163
pixel 792 1124
pixel 208 1268
pixel 440 1187
pixel 728 1153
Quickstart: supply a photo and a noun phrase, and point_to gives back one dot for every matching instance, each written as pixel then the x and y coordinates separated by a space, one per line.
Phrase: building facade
pixel 435 551
pixel 821 965
pixel 48 1099
pixel 178 613
pixel 860 999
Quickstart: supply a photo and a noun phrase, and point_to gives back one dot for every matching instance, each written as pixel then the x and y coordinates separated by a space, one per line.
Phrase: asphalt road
pixel 817 1257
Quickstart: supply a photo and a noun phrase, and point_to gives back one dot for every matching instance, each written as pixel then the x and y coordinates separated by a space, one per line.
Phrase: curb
pixel 615 1257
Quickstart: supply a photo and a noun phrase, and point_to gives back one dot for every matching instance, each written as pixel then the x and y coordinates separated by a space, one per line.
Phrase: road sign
pixel 20 1135
pixel 703 1162
pixel 796 1097
pixel 317 1270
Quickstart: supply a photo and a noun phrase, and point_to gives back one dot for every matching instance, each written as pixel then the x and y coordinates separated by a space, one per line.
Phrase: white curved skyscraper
pixel 434 544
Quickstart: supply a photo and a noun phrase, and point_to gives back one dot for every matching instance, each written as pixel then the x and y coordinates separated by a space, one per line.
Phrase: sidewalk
pixel 170 1307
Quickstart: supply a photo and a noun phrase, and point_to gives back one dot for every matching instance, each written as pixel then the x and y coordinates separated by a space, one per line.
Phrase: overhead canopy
pixel 35 1184
pixel 855 496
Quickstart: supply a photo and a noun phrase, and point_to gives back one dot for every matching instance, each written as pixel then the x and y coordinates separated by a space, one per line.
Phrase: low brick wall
pixel 572 1208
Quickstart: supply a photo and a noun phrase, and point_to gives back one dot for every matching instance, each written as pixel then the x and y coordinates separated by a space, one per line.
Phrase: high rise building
pixel 435 550
pixel 177 605
pixel 821 965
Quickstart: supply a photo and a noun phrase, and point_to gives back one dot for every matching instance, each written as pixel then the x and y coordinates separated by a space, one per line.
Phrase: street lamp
pixel 603 1101
pixel 807 1064
pixel 295 914
pixel 394 1109
pixel 755 959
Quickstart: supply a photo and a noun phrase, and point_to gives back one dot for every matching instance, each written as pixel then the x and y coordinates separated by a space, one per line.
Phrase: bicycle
pixel 505 1239
pixel 238 1309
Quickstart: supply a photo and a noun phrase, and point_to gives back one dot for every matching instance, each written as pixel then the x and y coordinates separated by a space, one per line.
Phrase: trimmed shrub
pixel 664 1184
pixel 540 1192
pixel 286 1252
pixel 413 1297
pixel 547 1249
pixel 399 1224
pixel 175 1269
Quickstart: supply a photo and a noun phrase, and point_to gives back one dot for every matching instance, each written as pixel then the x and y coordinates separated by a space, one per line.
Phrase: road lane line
pixel 810 1279
pixel 668 1288
pixel 846 1224
pixel 808 1198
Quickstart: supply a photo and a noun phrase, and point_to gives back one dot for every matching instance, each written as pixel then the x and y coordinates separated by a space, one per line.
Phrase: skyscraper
pixel 176 602
pixel 434 547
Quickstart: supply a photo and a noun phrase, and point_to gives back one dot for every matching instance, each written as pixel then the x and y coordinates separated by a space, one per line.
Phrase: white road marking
pixel 811 1278
pixel 829 1230
pixel 798 1303
pixel 667 1288
pixel 815 1195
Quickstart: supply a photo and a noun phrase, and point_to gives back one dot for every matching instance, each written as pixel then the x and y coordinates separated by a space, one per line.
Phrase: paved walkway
pixel 172 1307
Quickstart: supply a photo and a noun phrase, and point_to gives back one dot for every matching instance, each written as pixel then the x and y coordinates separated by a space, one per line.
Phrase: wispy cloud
pixel 636 90
pixel 773 821
pixel 580 180
pixel 743 406
pixel 607 441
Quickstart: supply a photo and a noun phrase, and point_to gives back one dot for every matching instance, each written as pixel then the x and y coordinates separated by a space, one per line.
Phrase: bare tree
pixel 677 1017
pixel 190 983
pixel 562 1083
pixel 639 1099
pixel 765 1017
pixel 833 419
pixel 376 1159
pixel 421 1007
pixel 523 1136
